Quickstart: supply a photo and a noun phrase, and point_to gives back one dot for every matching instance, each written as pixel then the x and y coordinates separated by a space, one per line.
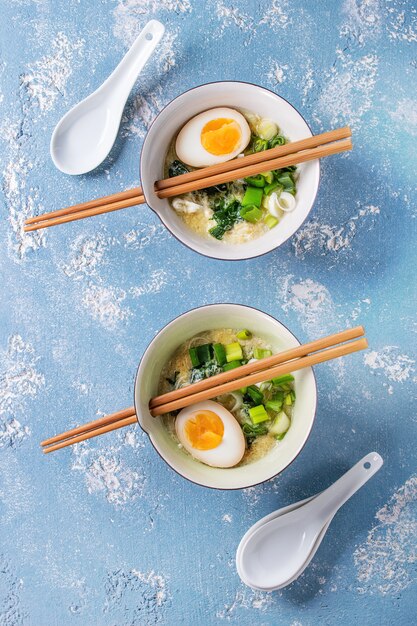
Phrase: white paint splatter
pixel 153 284
pixel 232 16
pixel 277 15
pixel 19 380
pixel 277 72
pixel 313 303
pixel 21 201
pixel 323 238
pixel 363 20
pixel 149 595
pixel 104 472
pixel 227 518
pixel 87 256
pixel 141 112
pixel 402 25
pixel 348 93
pixel 395 366
pixel 406 115
pixel 104 304
pixel 245 599
pixel 146 234
pixel 46 79
pixel 386 560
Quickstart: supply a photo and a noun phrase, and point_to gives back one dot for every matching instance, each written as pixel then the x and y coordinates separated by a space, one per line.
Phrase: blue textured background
pixel 105 533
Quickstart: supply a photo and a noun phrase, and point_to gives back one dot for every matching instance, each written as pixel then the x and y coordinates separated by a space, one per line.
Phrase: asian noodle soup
pixel 242 210
pixel 263 412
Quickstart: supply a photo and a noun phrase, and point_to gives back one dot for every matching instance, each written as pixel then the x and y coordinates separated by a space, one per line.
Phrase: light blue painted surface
pixel 107 534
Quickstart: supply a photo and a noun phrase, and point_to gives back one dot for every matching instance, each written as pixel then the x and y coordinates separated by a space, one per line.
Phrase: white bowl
pixel 159 352
pixel 237 95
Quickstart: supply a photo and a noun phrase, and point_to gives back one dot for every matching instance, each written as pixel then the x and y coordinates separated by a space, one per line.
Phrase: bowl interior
pixel 159 352
pixel 235 95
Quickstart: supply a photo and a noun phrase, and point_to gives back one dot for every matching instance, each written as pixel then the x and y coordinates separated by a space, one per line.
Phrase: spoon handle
pixel 124 76
pixel 329 501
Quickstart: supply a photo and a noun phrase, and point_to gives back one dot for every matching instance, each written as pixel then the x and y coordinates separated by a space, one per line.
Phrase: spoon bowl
pixel 85 135
pixel 276 550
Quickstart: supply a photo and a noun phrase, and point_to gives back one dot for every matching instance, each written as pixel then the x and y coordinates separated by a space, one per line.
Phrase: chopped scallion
pixel 271 221
pixel 219 353
pixel 251 213
pixel 231 365
pixel 258 414
pixel 261 353
pixel 234 352
pixel 244 334
pixel 283 379
pixel 253 196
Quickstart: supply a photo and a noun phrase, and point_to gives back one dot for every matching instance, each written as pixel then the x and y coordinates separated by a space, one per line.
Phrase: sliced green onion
pixel 255 394
pixel 288 400
pixel 278 140
pixel 274 405
pixel 280 437
pixel 268 176
pixel 253 196
pixel 244 334
pixel 205 352
pixel 258 144
pixel 219 353
pixel 271 221
pixel 231 365
pixel 261 353
pixel 280 424
pixel 251 213
pixel 243 390
pixel 258 414
pixel 195 361
pixel 272 187
pixel 283 379
pixel 256 181
pixel 233 352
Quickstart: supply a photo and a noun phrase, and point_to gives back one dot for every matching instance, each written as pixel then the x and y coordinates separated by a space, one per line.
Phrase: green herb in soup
pixel 264 411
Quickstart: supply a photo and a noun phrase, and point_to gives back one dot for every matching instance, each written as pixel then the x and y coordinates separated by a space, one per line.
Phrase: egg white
pixel 188 144
pixel 232 447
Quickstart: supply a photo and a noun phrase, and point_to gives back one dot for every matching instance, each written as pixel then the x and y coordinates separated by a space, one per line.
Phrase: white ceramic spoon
pixel 85 135
pixel 276 550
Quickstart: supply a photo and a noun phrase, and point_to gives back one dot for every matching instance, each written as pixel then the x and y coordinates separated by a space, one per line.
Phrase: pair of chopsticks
pixel 312 353
pixel 325 144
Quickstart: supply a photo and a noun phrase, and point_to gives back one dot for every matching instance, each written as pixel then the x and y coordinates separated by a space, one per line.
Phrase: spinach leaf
pixel 226 216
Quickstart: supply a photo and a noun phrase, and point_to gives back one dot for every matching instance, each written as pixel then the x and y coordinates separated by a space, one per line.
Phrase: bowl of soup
pixel 214 123
pixel 239 439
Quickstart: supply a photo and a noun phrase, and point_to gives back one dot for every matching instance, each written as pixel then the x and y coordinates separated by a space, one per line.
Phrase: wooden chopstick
pixel 261 364
pixel 257 377
pixel 92 433
pixel 205 177
pixel 73 217
pixel 252 373
pixel 102 421
pixel 258 157
pixel 263 166
pixel 115 197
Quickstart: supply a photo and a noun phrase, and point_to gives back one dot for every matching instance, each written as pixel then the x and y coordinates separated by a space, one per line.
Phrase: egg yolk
pixel 204 430
pixel 221 136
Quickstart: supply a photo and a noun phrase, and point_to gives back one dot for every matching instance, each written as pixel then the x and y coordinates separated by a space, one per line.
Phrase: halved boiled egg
pixel 212 137
pixel 211 434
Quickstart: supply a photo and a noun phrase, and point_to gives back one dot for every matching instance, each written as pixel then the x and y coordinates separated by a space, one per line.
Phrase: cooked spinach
pixel 226 215
pixel 177 168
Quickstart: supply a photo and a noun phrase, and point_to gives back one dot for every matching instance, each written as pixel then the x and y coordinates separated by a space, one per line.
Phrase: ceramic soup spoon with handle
pixel 85 135
pixel 276 550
